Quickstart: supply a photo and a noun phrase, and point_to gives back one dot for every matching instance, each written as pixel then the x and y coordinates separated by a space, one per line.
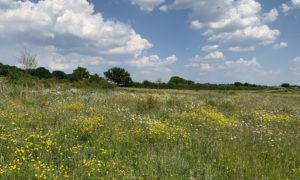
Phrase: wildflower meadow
pixel 63 133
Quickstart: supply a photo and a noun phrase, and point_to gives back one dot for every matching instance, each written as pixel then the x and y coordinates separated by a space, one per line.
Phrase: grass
pixel 62 133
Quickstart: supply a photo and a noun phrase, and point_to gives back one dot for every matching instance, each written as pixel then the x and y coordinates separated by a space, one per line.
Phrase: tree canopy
pixel 40 72
pixel 176 80
pixel 119 76
pixel 80 74
pixel 59 75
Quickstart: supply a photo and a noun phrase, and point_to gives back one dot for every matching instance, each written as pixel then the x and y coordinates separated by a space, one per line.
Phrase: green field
pixel 64 133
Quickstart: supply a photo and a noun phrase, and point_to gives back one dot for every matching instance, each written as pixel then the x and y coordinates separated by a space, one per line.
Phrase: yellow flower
pixel 74 106
pixel 208 115
pixel 271 116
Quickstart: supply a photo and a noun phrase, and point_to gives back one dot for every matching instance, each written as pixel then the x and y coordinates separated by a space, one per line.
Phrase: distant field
pixel 62 133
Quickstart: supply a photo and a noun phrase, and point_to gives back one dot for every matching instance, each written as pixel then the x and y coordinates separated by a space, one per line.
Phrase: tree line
pixel 115 76
pixel 29 72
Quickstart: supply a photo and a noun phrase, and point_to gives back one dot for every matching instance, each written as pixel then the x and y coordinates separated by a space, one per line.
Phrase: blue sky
pixel 220 41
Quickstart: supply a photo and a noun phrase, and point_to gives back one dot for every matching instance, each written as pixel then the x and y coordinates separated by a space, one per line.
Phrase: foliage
pixel 14 75
pixel 285 85
pixel 40 72
pixel 59 75
pixel 80 74
pixel 4 70
pixel 176 80
pixel 119 76
pixel 81 78
pixel 95 78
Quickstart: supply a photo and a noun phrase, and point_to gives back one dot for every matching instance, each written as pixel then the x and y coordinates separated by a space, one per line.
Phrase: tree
pixel 59 75
pixel 27 60
pixel 285 85
pixel 14 75
pixel 190 82
pixel 80 74
pixel 4 69
pixel 41 73
pixel 95 78
pixel 238 84
pixel 119 76
pixel 177 80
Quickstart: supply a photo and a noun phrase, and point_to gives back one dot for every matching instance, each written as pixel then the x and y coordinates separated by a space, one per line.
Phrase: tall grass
pixel 61 133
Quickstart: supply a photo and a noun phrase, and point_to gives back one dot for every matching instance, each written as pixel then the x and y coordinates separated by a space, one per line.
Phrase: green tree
pixel 95 78
pixel 238 84
pixel 285 85
pixel 41 73
pixel 80 74
pixel 4 69
pixel 14 75
pixel 177 80
pixel 59 75
pixel 119 76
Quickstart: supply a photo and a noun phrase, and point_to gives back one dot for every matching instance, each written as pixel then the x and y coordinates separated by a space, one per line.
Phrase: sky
pixel 207 41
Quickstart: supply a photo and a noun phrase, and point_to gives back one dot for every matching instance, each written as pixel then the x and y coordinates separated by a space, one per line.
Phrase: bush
pixel 95 78
pixel 41 73
pixel 285 85
pixel 80 74
pixel 59 75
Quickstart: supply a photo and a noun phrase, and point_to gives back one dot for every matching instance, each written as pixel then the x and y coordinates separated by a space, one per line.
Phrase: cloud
pixel 230 71
pixel 211 56
pixel 133 46
pixel 205 62
pixel 241 49
pixel 71 26
pixel 153 67
pixel 241 63
pixel 297 60
pixel 286 8
pixel 215 55
pixel 270 16
pixel 163 8
pixel 226 64
pixel 202 66
pixel 250 35
pixel 240 23
pixel 291 5
pixel 147 5
pixel 210 48
pixel 50 56
pixel 153 62
pixel 280 45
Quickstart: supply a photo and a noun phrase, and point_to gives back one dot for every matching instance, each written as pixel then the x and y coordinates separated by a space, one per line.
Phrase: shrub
pixel 285 85
pixel 41 73
pixel 59 75
pixel 80 74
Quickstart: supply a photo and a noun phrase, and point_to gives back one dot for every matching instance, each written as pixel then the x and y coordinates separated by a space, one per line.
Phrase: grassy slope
pixel 80 134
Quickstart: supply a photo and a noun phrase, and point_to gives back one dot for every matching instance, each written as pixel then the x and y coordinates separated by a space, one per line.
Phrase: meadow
pixel 64 133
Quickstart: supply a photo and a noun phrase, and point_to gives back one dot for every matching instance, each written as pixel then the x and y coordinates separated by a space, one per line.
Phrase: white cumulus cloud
pixel 212 56
pixel 210 48
pixel 242 63
pixel 241 49
pixel 153 61
pixel 239 23
pixel 280 45
pixel 292 4
pixel 71 26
